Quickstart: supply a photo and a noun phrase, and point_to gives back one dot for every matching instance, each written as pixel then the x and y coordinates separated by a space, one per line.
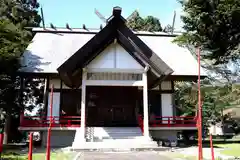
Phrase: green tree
pixel 150 23
pixel 20 12
pixel 215 100
pixel 15 15
pixel 214 26
pixel 12 43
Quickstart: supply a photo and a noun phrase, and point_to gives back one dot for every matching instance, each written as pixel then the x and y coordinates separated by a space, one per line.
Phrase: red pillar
pixel 200 155
pixel 30 146
pixel 212 149
pixel 48 152
pixel 1 143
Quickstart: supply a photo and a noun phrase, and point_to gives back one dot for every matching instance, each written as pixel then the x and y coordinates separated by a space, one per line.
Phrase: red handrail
pixel 170 121
pixel 58 121
pixel 50 116
pixel 74 121
pixel 174 117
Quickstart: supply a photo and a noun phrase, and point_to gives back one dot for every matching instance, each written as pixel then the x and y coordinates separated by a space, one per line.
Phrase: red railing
pixel 44 121
pixel 140 122
pixel 167 121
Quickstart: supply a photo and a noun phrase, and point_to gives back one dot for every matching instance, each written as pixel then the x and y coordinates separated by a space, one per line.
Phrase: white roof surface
pixel 49 50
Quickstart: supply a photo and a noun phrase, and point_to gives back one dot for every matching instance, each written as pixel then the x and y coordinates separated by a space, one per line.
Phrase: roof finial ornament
pixel 52 26
pixel 84 27
pixel 117 11
pixel 101 27
pixel 67 26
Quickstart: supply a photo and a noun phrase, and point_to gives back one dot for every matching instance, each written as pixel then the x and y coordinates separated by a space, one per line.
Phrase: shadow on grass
pixel 12 156
pixel 206 143
pixel 21 153
pixel 10 153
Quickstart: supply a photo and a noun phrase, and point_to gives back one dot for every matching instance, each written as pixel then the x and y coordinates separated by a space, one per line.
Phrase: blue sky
pixel 78 12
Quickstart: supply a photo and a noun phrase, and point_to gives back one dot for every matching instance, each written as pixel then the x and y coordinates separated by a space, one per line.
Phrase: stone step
pixel 125 137
pixel 124 132
pixel 114 137
pixel 117 149
pixel 116 129
pixel 119 136
pixel 115 144
pixel 113 132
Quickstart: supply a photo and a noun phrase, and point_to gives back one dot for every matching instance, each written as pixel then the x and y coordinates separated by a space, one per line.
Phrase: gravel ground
pixel 151 155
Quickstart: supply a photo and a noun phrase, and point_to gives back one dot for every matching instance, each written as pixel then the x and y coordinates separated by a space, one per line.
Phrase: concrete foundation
pixel 65 138
pixel 59 138
pixel 164 135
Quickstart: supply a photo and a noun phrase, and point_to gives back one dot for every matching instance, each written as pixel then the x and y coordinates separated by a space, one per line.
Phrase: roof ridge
pixel 96 30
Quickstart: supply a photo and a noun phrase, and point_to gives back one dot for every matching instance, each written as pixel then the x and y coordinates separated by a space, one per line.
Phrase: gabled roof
pixel 59 46
pixel 50 48
pixel 115 29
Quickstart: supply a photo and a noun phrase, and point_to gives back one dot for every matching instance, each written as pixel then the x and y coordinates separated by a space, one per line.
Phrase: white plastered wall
pixel 57 84
pixel 167 100
pixel 166 85
pixel 55 106
pixel 167 107
pixel 114 57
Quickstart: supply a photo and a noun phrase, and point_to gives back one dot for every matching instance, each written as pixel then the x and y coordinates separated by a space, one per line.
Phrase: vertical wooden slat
pixel 46 96
pixel 160 98
pixel 21 92
pixel 173 98
pixel 61 100
pixel 21 117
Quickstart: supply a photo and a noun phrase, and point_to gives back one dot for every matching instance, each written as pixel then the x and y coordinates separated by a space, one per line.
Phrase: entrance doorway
pixel 111 106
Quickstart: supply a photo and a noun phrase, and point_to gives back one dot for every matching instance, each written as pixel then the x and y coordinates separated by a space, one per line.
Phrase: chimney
pixel 117 11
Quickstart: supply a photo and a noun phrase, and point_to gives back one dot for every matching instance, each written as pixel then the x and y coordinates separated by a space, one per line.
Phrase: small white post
pixel 83 105
pixel 145 105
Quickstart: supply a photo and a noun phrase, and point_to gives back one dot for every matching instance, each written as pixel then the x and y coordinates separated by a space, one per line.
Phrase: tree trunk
pixel 6 129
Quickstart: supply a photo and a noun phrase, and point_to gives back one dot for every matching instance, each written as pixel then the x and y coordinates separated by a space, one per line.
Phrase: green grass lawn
pixel 37 156
pixel 232 149
pixel 176 155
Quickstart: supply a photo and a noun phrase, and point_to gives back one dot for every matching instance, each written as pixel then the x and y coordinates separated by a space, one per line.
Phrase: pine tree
pixel 15 15
pixel 214 26
pixel 150 23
